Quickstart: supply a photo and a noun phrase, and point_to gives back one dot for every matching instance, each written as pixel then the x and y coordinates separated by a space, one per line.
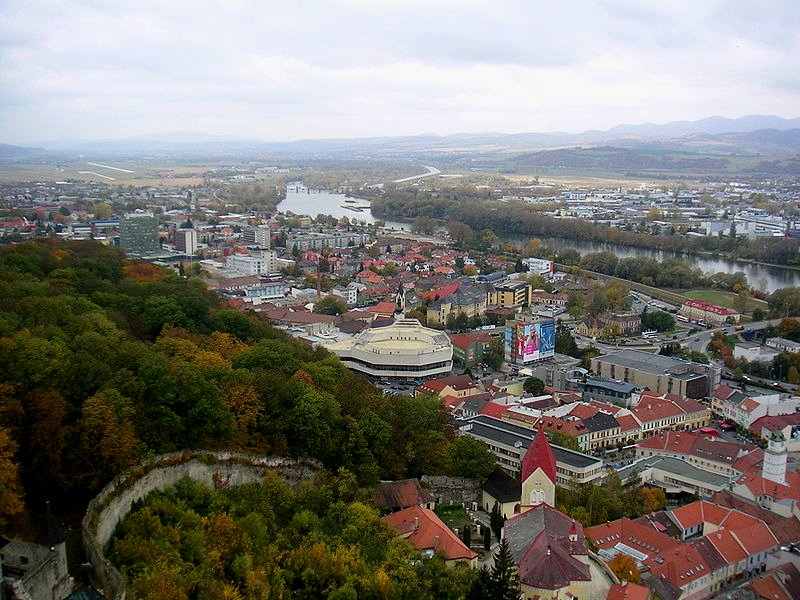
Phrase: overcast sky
pixel 290 69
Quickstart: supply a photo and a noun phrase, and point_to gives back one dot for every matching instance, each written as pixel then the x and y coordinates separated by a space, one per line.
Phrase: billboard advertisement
pixel 527 342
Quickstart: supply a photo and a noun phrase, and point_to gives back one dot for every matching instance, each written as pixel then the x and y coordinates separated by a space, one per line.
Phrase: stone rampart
pixel 214 469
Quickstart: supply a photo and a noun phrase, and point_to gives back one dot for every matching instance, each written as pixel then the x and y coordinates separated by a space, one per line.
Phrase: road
pixel 431 171
pixel 697 341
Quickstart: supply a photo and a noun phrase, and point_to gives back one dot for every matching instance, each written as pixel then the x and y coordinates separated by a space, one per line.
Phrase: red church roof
pixel 539 454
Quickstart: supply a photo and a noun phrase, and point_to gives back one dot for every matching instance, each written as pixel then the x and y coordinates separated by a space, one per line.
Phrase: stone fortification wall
pixel 213 469
pixel 453 490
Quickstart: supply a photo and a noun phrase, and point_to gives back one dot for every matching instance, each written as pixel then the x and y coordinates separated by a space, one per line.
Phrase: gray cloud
pixel 316 68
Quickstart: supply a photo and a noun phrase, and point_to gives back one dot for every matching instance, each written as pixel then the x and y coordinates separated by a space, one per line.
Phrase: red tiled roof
pixel 696 513
pixel 628 591
pixel 457 382
pixel 774 423
pixel 713 308
pixel 400 494
pixel 383 308
pixel 759 486
pixel 575 428
pixel 785 529
pixel 696 444
pixel 682 565
pixel 723 392
pixel 640 537
pixel 493 409
pixel 583 411
pixel 628 423
pixel 450 403
pixel 463 340
pixel 750 462
pixel 427 532
pixel 539 455
pixel 440 293
pixel 781 583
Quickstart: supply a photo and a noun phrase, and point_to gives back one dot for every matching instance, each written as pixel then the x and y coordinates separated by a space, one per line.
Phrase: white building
pixel 404 350
pixel 257 262
pixel 754 352
pixel 539 266
pixel 258 235
pixel 350 294
pixel 783 345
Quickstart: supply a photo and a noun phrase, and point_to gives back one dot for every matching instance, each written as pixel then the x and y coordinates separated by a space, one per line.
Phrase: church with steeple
pixel 538 474
pixel 548 547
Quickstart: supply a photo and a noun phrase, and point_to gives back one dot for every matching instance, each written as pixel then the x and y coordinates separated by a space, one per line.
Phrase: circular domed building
pixel 404 350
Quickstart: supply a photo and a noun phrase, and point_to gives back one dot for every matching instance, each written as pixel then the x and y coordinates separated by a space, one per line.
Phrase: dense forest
pixel 103 361
pixel 479 213
pixel 321 539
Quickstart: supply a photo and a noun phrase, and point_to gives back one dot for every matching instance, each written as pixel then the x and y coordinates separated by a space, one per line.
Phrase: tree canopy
pixel 320 539
pixel 104 360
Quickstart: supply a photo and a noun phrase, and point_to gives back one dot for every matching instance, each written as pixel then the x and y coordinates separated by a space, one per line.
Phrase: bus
pixel 649 334
pixel 682 318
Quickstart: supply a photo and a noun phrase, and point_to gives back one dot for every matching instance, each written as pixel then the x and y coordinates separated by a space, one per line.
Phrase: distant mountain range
pixel 757 135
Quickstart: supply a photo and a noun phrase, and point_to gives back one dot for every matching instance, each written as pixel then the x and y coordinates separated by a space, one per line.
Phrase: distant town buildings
pixel 662 374
pixel 138 234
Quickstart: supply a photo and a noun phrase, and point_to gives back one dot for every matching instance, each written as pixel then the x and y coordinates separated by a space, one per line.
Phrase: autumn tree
pixel 107 436
pixel 624 567
pixel 11 497
pixel 653 499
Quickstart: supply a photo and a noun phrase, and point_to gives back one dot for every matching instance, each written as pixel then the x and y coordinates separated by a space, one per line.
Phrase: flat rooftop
pixel 508 434
pixel 678 467
pixel 646 362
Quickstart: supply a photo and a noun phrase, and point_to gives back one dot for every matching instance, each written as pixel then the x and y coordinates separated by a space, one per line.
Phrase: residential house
pixel 471 301
pixel 458 386
pixel 657 412
pixel 783 345
pixel 391 496
pixel 469 349
pixel 744 409
pixel 429 535
pixel 707 453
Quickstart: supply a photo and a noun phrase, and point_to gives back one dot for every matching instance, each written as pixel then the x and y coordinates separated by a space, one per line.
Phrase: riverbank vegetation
pixel 479 212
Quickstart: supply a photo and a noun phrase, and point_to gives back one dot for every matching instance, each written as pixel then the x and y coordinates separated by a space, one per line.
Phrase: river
pixel 764 277
pixel 302 201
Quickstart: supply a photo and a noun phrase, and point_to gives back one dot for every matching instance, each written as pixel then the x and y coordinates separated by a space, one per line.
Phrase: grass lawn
pixel 453 515
pixel 722 298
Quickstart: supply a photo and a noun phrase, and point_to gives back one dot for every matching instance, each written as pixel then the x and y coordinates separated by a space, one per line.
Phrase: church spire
pixel 539 455
pixel 538 473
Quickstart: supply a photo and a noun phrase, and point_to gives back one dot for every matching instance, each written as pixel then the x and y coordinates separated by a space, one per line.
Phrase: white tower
pixel 774 467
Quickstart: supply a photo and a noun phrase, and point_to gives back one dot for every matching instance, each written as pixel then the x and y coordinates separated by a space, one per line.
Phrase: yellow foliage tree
pixel 624 567
pixel 107 436
pixel 11 503
pixel 224 344
pixel 242 400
